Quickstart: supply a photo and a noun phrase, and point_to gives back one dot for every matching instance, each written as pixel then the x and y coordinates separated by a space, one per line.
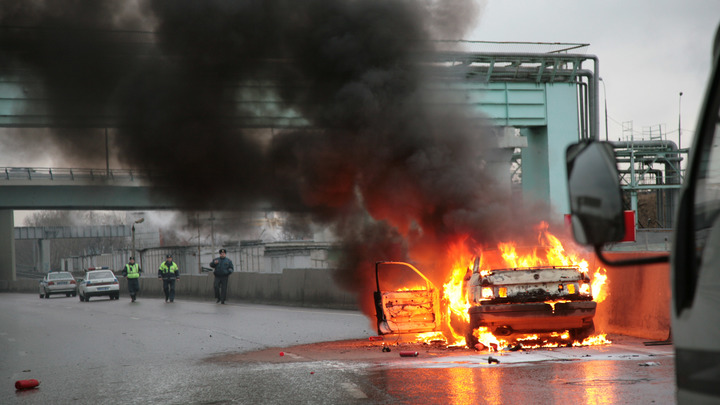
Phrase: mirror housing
pixel 595 195
pixel 596 206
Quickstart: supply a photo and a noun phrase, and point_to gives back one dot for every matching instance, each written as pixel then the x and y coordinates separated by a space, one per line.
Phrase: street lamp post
pixel 133 234
pixel 679 123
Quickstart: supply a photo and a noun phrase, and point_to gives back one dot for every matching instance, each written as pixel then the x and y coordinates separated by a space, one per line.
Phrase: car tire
pixel 47 295
pixel 470 339
pixel 583 333
pixel 42 295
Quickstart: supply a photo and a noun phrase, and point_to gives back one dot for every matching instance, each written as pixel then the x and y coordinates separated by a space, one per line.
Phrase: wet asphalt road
pixel 109 352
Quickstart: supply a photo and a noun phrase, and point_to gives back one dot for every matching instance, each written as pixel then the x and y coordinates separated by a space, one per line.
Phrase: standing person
pixel 223 268
pixel 132 273
pixel 169 273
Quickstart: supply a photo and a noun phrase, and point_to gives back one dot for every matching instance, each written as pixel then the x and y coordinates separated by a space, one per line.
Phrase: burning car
pixel 519 301
pixel 511 302
pixel 538 294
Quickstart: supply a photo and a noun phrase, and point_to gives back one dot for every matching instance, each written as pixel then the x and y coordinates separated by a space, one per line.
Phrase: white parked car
pixel 98 281
pixel 57 282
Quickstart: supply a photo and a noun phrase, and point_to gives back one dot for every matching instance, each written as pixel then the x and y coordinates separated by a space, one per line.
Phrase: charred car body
pixel 508 302
pixel 541 299
pixel 413 310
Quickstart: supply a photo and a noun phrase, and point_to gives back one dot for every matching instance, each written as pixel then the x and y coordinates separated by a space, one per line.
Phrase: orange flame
pixel 598 282
pixel 455 297
pixel 454 293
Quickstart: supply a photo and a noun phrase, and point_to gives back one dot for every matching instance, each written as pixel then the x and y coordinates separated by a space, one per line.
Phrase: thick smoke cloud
pixel 393 176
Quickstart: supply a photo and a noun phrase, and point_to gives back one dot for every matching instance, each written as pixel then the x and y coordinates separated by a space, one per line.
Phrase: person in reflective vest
pixel 169 273
pixel 223 268
pixel 132 273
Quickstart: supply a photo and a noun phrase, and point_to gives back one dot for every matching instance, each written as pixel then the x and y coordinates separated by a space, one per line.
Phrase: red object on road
pixel 375 338
pixel 408 354
pixel 26 384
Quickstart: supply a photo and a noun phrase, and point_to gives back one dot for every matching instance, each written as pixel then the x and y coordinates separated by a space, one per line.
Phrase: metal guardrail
pixel 76 174
pixel 64 232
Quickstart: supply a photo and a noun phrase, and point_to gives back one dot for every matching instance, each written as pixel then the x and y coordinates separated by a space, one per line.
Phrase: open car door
pixel 411 309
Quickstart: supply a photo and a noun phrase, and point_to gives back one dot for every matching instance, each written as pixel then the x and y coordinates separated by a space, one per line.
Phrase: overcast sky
pixel 649 51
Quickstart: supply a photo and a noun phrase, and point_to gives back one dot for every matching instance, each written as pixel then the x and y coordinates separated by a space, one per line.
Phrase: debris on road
pixel 408 354
pixel 26 384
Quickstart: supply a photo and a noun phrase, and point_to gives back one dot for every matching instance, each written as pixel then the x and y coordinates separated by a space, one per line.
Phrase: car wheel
pixel 42 295
pixel 583 333
pixel 470 339
pixel 47 295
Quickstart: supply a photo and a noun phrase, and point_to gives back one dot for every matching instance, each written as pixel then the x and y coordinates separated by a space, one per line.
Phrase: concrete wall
pixel 638 298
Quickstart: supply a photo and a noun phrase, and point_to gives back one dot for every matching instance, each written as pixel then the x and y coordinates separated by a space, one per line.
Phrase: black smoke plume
pixel 394 177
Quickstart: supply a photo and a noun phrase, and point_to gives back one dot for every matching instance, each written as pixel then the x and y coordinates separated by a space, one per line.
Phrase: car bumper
pixel 60 289
pixel 533 317
pixel 100 290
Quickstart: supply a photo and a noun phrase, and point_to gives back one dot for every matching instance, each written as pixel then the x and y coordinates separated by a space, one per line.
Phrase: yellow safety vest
pixel 164 268
pixel 132 270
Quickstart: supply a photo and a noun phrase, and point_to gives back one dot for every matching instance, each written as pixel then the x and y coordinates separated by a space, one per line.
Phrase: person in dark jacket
pixel 223 268
pixel 132 271
pixel 169 273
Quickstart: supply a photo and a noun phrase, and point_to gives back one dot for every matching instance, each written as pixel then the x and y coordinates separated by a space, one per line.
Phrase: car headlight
pixel 487 293
pixel 585 289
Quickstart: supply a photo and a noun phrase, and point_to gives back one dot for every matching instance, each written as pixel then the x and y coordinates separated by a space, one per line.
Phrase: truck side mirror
pixel 595 195
pixel 596 199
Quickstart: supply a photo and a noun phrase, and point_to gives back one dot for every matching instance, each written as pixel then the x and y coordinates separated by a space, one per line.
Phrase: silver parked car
pixel 98 281
pixel 58 282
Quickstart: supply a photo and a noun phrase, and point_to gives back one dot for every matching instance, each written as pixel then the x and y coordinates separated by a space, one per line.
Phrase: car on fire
pixel 509 302
pixel 57 282
pixel 98 281
pixel 530 300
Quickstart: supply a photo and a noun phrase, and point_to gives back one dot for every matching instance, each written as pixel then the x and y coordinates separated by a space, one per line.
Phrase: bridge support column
pixel 44 255
pixel 544 174
pixel 7 245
